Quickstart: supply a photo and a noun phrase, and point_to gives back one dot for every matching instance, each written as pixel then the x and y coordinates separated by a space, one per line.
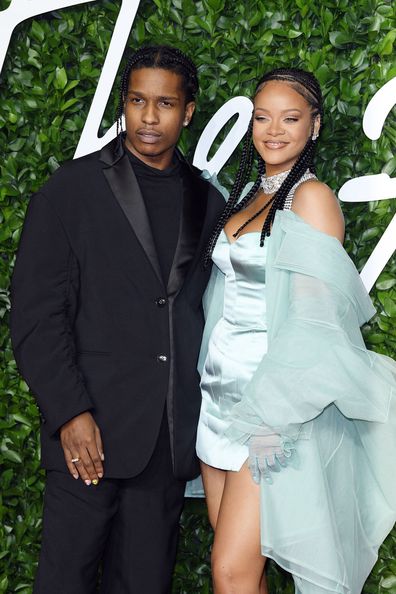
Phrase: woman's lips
pixel 272 144
pixel 148 136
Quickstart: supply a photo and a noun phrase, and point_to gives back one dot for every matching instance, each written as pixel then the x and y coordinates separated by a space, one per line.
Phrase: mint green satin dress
pixel 237 345
pixel 325 515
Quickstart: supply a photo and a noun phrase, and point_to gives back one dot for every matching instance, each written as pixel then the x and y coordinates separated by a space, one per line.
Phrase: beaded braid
pixel 157 56
pixel 243 172
pixel 304 162
pixel 307 86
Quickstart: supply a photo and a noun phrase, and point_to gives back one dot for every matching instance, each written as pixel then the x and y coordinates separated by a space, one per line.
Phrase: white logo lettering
pixel 375 187
pixel 20 10
pixel 238 105
pixel 89 140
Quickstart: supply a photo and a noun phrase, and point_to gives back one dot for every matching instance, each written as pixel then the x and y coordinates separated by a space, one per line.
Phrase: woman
pixel 296 434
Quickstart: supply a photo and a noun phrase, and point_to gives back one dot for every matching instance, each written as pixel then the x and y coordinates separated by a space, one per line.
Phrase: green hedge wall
pixel 47 84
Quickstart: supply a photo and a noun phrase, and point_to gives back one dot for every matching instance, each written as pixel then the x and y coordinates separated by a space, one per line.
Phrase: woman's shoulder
pixel 316 203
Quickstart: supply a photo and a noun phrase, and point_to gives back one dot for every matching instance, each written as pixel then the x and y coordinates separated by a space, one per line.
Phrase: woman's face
pixel 282 124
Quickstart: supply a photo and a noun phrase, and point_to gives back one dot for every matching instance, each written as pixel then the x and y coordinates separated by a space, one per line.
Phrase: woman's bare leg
pixel 213 481
pixel 237 563
pixel 263 584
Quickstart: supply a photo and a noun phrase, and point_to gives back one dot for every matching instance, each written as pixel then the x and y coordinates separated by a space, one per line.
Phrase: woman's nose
pixel 275 128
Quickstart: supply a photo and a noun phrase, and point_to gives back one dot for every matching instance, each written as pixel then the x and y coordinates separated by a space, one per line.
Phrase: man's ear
pixel 188 112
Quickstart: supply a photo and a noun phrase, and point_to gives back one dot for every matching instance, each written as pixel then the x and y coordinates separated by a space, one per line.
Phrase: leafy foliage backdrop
pixel 47 84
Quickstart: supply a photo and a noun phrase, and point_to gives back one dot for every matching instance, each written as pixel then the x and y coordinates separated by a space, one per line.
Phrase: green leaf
pixel 17 144
pixel 11 455
pixel 3 584
pixel 71 85
pixel 389 307
pixel 293 34
pixel 385 47
pixel 21 419
pixel 60 80
pixel 385 282
pixel 339 38
pixel 390 166
pixel 69 103
pixel 389 582
pixel 37 31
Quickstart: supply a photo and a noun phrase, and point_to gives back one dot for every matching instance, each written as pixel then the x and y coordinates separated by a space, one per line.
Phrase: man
pixel 106 327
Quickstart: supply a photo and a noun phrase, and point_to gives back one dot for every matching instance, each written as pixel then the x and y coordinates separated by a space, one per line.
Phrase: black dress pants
pixel 130 526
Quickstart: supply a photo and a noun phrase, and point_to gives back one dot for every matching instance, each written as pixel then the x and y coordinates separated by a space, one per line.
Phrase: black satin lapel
pixel 125 187
pixel 191 223
pixel 214 206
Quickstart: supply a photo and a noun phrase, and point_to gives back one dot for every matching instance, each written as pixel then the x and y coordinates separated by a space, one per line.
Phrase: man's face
pixel 155 112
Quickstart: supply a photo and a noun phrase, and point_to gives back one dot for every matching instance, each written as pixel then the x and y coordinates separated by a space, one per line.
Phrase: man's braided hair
pixel 158 56
pixel 307 86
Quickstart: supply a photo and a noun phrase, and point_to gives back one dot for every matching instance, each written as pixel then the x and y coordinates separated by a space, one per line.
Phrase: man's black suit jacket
pixel 93 326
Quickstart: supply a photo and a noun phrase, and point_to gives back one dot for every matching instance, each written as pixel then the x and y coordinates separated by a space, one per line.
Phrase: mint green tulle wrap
pixel 325 515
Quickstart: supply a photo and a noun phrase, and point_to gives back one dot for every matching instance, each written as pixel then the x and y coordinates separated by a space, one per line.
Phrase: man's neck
pixel 160 162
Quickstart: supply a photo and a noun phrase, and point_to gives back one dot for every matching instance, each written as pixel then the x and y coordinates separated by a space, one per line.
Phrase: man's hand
pixel 81 442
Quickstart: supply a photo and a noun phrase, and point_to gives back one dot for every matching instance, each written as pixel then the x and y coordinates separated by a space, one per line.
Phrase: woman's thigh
pixel 213 480
pixel 236 549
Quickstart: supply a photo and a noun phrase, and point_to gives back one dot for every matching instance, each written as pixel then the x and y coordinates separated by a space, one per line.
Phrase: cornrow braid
pixel 158 56
pixel 243 172
pixel 304 162
pixel 307 86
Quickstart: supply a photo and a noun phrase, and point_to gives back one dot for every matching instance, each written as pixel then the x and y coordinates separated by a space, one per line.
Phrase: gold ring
pixel 74 460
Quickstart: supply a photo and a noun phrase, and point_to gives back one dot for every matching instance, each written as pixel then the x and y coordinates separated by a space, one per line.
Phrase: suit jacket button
pixel 162 358
pixel 161 301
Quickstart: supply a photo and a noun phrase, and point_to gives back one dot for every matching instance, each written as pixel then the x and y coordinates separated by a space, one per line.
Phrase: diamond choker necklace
pixel 272 184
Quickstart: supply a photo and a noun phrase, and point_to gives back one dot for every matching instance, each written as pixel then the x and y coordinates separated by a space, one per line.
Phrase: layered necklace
pixel 270 185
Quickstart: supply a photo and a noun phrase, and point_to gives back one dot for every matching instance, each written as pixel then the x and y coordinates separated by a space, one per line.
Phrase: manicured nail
pixel 95 482
pixel 100 474
pixel 75 476
pixel 102 457
pixel 87 482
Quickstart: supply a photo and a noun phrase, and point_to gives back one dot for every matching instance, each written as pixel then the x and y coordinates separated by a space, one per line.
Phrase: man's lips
pixel 149 136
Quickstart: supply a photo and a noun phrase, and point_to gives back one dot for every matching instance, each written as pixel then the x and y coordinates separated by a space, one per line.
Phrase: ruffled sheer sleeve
pixel 316 355
pixel 327 512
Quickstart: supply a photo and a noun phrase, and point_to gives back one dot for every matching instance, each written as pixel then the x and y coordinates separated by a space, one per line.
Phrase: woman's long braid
pixel 304 162
pixel 242 175
pixel 307 86
pixel 254 189
pixel 157 56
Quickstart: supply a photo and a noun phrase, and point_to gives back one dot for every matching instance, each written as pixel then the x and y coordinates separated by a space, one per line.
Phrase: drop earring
pixel 315 136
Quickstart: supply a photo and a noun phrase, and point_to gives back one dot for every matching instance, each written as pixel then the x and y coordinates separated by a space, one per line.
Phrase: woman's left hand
pixel 267 454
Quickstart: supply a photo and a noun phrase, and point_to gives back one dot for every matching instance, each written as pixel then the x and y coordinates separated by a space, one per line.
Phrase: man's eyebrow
pixel 160 97
pixel 168 98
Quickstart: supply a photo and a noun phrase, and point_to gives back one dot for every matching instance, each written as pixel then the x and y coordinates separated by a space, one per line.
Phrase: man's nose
pixel 150 114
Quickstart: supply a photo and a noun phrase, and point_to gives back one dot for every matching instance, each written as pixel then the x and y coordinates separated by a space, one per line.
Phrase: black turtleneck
pixel 162 191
